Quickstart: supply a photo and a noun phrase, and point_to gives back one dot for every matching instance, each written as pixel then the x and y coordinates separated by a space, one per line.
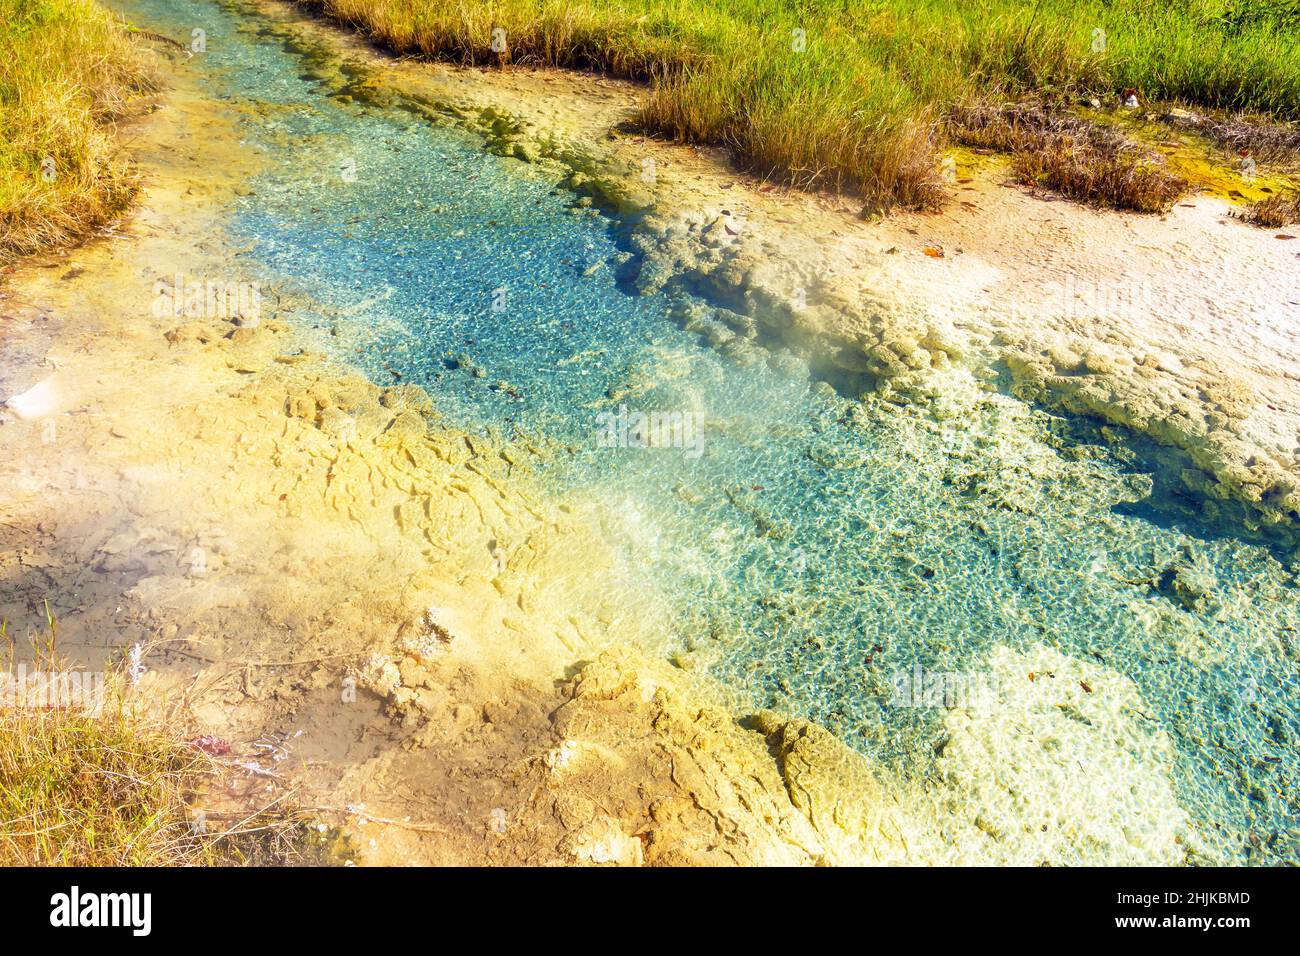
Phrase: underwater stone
pixel 408 396
pixel 1190 583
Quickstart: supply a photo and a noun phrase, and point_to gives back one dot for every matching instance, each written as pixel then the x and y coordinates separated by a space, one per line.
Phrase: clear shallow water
pixel 817 547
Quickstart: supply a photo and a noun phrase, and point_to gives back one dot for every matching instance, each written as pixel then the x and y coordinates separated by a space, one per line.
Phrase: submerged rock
pixel 1190 582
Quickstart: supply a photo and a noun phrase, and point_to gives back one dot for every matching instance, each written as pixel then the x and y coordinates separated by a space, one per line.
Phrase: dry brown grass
pixel 1275 211
pixel 1268 142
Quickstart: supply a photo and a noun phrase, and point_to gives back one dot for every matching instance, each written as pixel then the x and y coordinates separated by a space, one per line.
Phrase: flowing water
pixel 815 546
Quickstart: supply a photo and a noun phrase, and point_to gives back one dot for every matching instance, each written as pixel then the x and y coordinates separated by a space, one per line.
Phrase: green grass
pixel 85 778
pixel 99 778
pixel 107 790
pixel 118 788
pixel 865 106
pixel 67 72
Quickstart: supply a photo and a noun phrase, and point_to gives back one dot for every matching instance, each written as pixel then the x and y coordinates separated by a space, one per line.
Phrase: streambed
pixel 822 551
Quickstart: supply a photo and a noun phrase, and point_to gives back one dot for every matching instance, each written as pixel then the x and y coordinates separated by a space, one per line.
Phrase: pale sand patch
pixel 1063 764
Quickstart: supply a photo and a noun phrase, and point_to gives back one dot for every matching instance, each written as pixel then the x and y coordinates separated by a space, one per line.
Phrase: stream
pixel 815 546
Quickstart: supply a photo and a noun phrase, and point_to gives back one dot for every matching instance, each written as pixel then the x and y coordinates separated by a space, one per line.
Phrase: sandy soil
pixel 392 626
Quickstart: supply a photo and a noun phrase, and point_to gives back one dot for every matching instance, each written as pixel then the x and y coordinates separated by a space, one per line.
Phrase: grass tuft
pixel 1072 156
pixel 1275 211
pixel 106 790
pixel 67 72
pixel 88 777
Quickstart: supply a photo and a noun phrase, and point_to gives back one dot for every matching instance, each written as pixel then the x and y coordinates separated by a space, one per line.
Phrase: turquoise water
pixel 818 545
